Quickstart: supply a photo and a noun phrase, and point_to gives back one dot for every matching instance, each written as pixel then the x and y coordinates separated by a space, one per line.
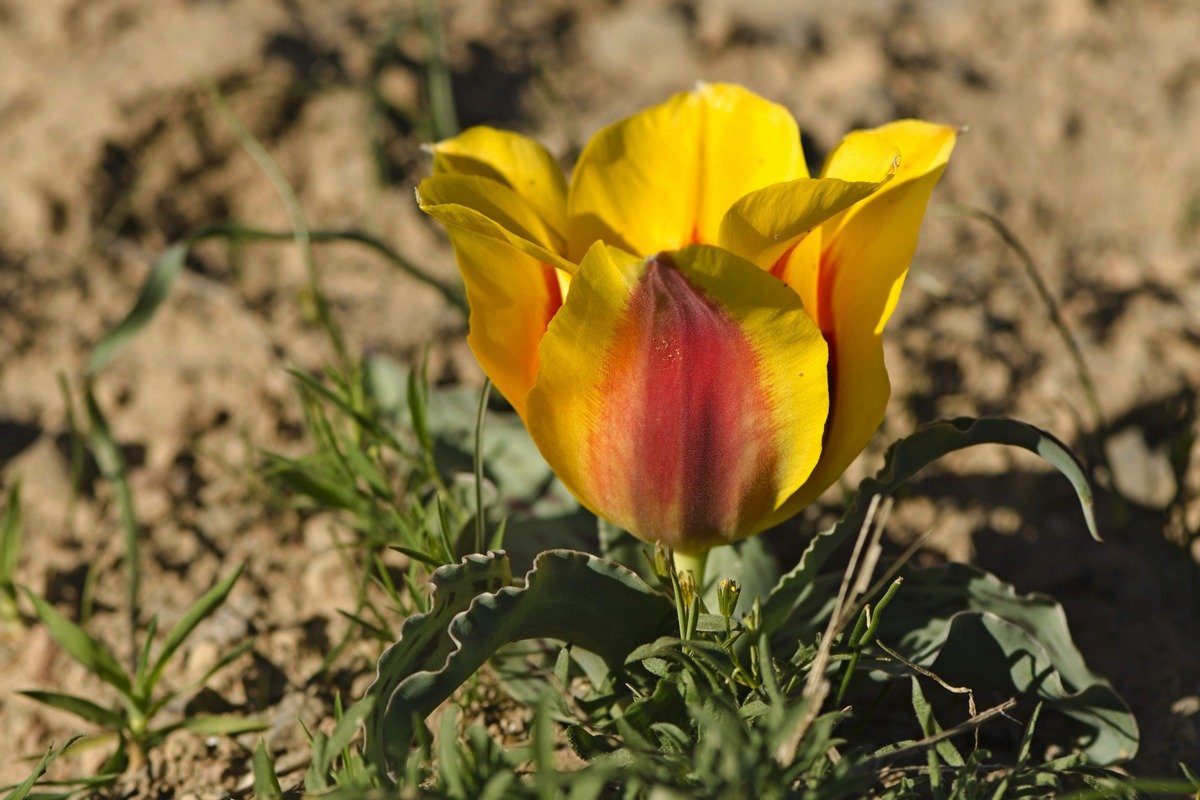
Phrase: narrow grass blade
pixel 543 748
pixel 218 725
pixel 418 404
pixel 1083 373
pixel 437 73
pixel 349 725
pixel 78 644
pixel 76 438
pixel 10 535
pixel 369 627
pixel 224 661
pixel 143 659
pixel 112 467
pixel 22 791
pixel 295 211
pixel 480 419
pixel 155 289
pixel 449 756
pixel 79 706
pixel 266 783
pixel 236 232
pixel 10 552
pixel 200 610
pixel 417 555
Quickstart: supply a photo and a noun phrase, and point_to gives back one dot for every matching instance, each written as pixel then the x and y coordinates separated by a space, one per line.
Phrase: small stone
pixel 326 584
pixel 1141 474
pixel 1186 706
pixel 320 533
pixel 200 658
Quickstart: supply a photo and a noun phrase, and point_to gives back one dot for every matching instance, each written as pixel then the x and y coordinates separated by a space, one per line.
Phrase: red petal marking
pixel 779 268
pixel 684 450
pixel 554 298
pixel 827 270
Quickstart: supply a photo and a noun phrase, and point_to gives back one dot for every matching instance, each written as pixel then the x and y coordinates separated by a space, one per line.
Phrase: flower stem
pixel 693 561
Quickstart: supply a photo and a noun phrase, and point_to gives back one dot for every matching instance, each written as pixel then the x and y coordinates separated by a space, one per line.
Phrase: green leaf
pixel 10 535
pixel 543 748
pixel 347 726
pixel 314 385
pixel 143 658
pixel 209 602
pixel 575 597
pixel 450 764
pixel 418 407
pixel 221 725
pixel 621 546
pixel 225 660
pixel 326 749
pixel 22 791
pixel 972 629
pixel 930 726
pixel 416 555
pixel 112 467
pixel 155 289
pixel 79 706
pixel 791 607
pixel 304 478
pixel 750 563
pixel 526 486
pixel 78 644
pixel 368 627
pixel 266 784
pixel 387 384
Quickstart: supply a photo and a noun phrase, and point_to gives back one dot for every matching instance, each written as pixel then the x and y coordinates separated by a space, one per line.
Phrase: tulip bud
pixel 662 561
pixel 728 592
pixel 687 587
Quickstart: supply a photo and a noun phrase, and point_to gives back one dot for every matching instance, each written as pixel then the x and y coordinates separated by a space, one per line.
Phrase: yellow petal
pixel 864 257
pixel 765 224
pixel 484 206
pixel 683 397
pixel 789 212
pixel 747 143
pixel 516 161
pixel 512 298
pixel 664 177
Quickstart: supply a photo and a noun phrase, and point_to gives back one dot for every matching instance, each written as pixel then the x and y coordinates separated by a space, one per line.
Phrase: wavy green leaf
pixel 797 600
pixel 972 629
pixel 575 597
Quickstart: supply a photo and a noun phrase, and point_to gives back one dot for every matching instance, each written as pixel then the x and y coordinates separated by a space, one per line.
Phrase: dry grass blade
pixel 966 725
pixel 855 580
pixel 1043 289
pixel 295 211
pixel 932 676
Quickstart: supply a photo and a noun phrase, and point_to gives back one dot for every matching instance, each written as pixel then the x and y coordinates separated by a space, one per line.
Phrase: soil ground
pixel 1082 116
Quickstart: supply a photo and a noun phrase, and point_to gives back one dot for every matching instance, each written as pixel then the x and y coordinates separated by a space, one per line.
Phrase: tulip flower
pixel 691 328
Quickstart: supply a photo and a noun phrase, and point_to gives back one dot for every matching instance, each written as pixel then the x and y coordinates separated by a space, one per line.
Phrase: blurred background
pixel 1082 124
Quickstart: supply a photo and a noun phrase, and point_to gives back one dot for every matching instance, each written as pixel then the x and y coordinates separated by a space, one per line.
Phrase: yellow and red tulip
pixel 691 329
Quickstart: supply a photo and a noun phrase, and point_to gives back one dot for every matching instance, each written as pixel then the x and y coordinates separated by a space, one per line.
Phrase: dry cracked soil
pixel 1081 119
